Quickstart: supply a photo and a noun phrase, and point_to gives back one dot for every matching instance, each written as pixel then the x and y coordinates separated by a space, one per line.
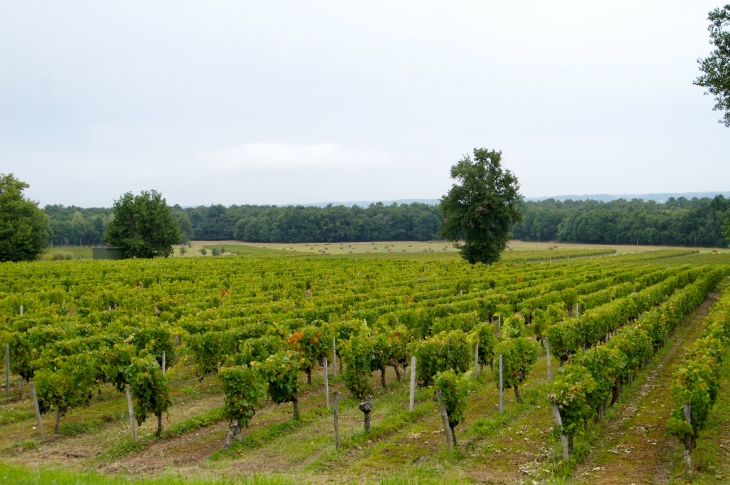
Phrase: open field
pixel 268 294
pixel 68 252
pixel 407 247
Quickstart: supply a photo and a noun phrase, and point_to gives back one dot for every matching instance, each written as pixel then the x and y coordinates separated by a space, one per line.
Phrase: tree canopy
pixel 143 225
pixel 24 228
pixel 480 208
pixel 716 67
pixel 259 223
pixel 677 222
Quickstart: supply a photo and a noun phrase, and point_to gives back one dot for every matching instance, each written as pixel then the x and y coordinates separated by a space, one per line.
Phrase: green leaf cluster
pixel 518 356
pixel 150 388
pixel 244 388
pixel 454 393
pixel 282 373
pixel 441 352
pixel 358 354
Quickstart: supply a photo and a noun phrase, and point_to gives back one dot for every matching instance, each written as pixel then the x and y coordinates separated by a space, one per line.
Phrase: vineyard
pixel 351 368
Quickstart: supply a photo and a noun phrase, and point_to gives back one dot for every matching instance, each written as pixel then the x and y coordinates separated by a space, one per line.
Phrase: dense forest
pixel 378 222
pixel 678 222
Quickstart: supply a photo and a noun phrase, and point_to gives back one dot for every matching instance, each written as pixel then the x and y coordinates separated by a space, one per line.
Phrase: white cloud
pixel 278 156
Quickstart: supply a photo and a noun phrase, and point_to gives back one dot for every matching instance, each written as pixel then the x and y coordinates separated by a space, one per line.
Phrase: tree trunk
pixel 159 425
pixel 397 371
pixel 58 419
pixel 517 394
pixel 229 437
pixel 382 378
pixel 341 368
pixel 491 365
pixel 309 376
pixel 367 407
pixel 570 443
pixel 234 431
pixel 453 433
pixel 295 401
pixel 562 362
pixel 614 395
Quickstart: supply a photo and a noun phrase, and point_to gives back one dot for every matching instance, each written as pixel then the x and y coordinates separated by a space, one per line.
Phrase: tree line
pixel 677 222
pixel 256 223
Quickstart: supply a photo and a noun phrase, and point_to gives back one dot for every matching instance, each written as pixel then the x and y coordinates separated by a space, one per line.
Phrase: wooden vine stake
pixel 326 384
pixel 688 440
pixel 476 360
pixel 549 366
pixel 501 387
pixel 413 383
pixel 7 369
pixel 559 421
pixel 445 419
pixel 130 406
pixel 334 357
pixel 337 424
pixel 37 410
pixel 164 363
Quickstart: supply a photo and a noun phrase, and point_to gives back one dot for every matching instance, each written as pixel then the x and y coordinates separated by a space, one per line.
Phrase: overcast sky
pixel 282 102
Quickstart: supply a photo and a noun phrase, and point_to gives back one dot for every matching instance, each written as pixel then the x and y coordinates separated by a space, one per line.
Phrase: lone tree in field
pixel 143 225
pixel 24 229
pixel 480 208
pixel 716 67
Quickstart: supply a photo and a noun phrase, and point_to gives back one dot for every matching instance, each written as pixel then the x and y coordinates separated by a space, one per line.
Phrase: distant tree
pixel 716 67
pixel 24 228
pixel 480 208
pixel 726 231
pixel 143 225
pixel 186 227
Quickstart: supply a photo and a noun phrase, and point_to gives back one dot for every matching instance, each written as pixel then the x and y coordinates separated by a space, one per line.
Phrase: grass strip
pixel 259 437
pixel 185 426
pixel 42 476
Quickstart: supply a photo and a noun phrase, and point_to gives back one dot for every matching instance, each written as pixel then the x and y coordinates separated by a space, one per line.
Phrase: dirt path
pixel 634 447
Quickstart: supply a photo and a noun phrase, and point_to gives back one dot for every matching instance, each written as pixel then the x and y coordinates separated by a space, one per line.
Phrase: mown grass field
pixel 518 446
pixel 416 247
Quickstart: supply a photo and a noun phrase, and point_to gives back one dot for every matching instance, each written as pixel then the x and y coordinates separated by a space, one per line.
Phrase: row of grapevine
pixel 696 382
pixel 569 336
pixel 593 378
